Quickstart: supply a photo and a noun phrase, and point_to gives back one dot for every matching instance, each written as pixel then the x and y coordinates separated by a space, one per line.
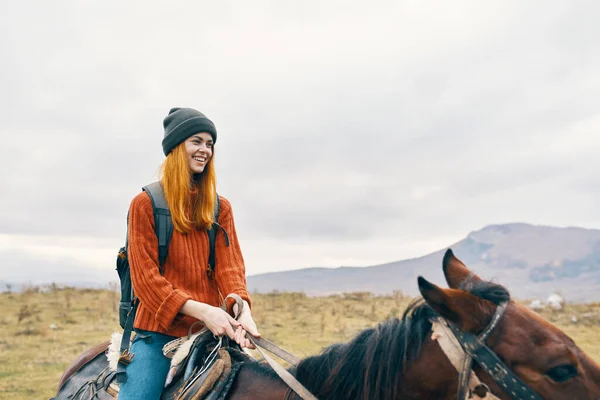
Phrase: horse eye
pixel 562 373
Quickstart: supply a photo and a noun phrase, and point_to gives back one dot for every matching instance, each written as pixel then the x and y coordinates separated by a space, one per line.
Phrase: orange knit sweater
pixel 184 271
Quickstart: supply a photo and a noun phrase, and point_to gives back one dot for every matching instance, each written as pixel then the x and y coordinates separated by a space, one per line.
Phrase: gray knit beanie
pixel 181 123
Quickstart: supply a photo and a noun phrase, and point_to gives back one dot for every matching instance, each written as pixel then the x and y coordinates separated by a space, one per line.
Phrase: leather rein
pixel 462 348
pixel 261 344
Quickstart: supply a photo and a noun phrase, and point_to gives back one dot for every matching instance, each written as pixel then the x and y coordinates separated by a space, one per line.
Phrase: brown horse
pixel 399 359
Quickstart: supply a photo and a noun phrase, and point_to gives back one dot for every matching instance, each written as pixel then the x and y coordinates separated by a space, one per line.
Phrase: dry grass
pixel 34 353
pixel 33 356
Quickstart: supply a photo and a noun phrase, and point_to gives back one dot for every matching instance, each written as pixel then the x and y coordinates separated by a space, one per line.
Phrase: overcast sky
pixel 350 133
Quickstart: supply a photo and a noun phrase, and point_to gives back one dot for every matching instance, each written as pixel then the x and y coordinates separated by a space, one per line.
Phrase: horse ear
pixel 456 272
pixel 469 312
pixel 437 298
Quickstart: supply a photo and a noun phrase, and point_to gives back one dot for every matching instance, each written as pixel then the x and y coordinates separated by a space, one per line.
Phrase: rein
pixel 282 372
pixel 261 344
pixel 462 348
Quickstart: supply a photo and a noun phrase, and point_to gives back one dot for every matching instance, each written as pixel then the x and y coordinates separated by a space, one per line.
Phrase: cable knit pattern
pixel 185 269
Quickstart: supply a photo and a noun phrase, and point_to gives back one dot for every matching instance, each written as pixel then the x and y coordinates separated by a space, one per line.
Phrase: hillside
pixel 532 261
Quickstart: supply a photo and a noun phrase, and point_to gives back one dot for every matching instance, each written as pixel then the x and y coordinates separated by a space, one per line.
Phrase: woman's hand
pixel 247 324
pixel 215 319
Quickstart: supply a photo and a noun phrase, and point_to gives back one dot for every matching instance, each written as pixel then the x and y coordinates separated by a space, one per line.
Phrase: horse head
pixel 541 355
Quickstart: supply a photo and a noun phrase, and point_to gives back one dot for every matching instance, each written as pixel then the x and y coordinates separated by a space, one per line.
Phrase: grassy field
pixel 43 332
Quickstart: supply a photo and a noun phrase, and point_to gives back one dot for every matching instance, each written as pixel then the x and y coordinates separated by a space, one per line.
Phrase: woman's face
pixel 198 149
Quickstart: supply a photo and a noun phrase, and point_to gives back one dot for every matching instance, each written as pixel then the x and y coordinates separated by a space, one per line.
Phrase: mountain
pixel 531 261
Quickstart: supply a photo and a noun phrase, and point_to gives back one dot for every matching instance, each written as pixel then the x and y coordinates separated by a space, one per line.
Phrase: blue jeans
pixel 147 371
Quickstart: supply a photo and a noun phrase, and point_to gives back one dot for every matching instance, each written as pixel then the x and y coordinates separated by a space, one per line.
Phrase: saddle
pixel 204 370
pixel 202 367
pixel 202 364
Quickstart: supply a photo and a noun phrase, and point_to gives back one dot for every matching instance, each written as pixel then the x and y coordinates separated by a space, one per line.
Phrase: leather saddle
pixel 205 373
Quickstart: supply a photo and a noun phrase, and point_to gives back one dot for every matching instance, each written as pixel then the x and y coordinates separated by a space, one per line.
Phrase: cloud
pixel 342 128
pixel 23 268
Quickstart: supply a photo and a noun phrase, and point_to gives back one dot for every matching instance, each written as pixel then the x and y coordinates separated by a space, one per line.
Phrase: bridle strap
pixel 477 350
pixel 445 338
pixel 464 374
pixel 464 378
pixel 500 310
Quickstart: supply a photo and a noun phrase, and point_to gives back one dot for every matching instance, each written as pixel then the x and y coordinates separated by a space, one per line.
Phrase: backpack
pixel 163 227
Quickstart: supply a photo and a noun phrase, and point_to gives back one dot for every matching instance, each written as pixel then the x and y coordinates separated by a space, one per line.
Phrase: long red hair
pixel 178 183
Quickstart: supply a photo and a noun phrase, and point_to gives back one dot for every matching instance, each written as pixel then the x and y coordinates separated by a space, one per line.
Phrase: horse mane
pixel 489 291
pixel 372 364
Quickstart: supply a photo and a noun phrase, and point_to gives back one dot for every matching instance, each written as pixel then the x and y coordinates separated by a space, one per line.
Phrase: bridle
pixel 462 348
pixel 473 348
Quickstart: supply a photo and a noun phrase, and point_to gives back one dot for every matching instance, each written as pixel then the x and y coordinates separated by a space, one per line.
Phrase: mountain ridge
pixel 532 261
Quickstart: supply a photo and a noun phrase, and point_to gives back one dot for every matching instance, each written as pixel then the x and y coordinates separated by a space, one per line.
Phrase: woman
pixel 187 291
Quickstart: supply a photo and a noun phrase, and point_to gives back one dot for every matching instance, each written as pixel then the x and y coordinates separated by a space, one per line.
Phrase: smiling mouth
pixel 200 159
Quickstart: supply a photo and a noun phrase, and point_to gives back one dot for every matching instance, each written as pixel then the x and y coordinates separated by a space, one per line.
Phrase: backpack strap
pixel 163 224
pixel 212 235
pixel 125 355
pixel 163 227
